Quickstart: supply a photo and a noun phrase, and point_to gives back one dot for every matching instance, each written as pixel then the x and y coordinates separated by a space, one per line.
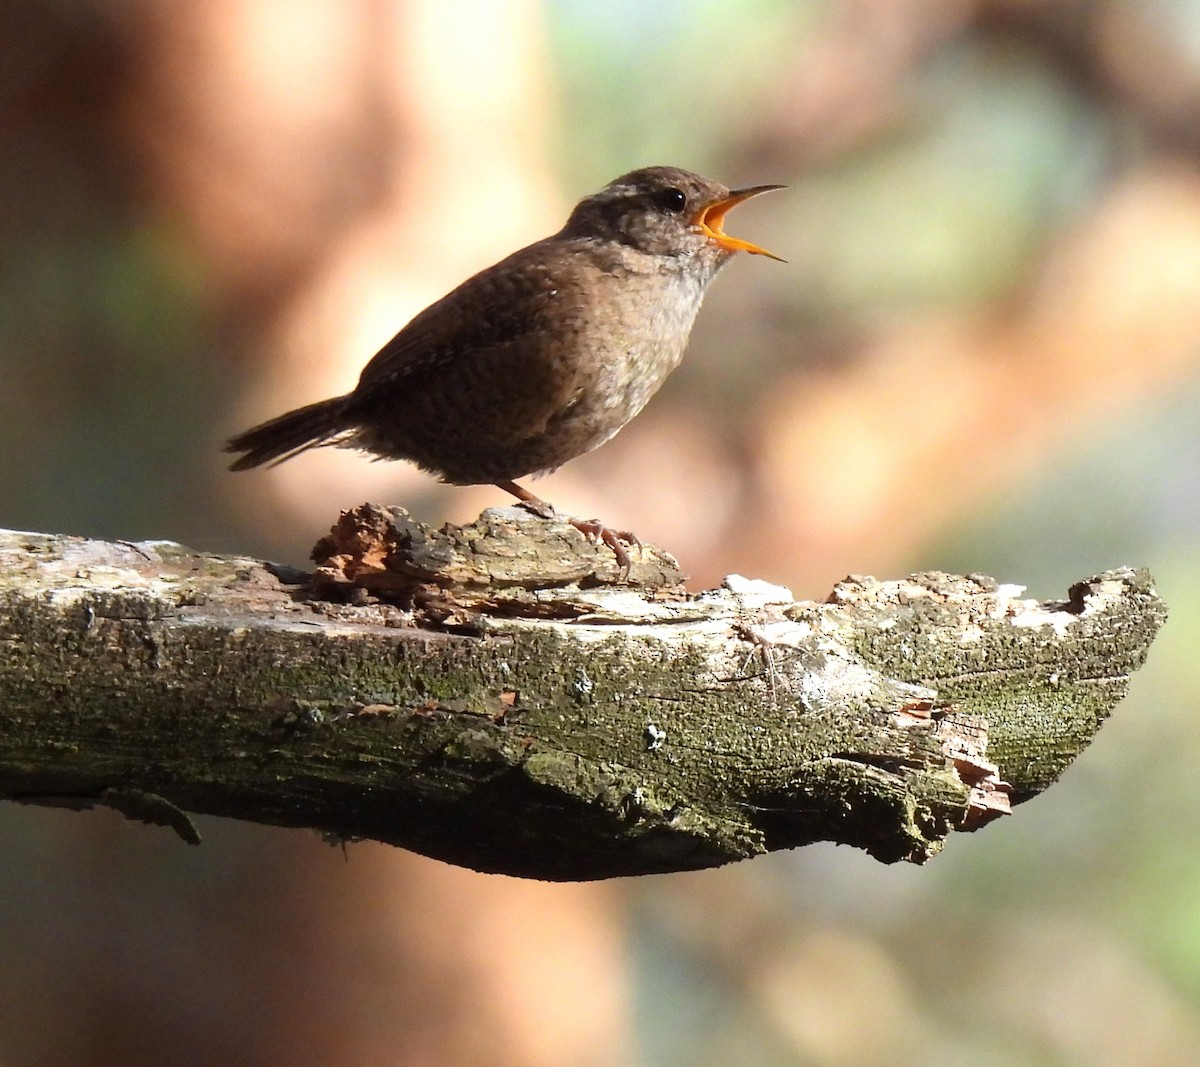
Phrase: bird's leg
pixel 543 509
pixel 592 528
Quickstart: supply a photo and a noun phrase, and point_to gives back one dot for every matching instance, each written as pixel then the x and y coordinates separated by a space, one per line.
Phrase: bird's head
pixel 667 212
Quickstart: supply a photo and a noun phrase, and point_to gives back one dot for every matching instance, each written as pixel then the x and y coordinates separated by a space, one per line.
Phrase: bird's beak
pixel 710 218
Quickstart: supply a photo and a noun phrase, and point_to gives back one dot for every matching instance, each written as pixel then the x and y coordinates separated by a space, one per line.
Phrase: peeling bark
pixel 499 697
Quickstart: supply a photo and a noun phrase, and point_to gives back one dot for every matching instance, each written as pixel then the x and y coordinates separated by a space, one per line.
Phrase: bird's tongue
pixel 711 220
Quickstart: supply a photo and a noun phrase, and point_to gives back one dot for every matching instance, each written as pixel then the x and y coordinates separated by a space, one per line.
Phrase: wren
pixel 543 356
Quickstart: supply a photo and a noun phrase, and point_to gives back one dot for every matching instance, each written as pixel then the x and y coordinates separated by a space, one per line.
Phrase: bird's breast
pixel 634 338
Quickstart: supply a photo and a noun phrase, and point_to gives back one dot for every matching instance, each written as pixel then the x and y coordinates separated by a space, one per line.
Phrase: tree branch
pixel 494 696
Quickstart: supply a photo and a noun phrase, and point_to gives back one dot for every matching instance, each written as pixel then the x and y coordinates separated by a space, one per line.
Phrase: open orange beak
pixel 711 217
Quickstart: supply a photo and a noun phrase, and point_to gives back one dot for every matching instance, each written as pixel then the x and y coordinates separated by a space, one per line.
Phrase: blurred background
pixel 982 355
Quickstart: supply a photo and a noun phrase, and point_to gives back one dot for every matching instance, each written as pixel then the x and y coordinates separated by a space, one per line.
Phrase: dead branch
pixel 497 696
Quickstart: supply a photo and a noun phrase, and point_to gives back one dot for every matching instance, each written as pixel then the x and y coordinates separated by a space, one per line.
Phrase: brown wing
pixel 473 386
pixel 490 311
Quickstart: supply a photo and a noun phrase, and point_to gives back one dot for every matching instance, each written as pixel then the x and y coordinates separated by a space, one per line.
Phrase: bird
pixel 543 356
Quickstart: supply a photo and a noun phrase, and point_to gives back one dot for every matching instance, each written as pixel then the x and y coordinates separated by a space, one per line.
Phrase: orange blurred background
pixel 983 355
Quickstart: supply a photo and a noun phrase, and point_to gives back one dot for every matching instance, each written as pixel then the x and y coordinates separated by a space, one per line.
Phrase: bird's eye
pixel 672 200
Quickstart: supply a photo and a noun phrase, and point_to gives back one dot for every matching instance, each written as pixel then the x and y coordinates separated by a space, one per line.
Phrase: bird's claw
pixel 593 529
pixel 596 531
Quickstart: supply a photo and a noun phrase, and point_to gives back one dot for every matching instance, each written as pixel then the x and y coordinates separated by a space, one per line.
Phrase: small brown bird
pixel 542 357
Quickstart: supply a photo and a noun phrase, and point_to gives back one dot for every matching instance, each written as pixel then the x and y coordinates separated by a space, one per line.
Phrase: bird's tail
pixel 322 423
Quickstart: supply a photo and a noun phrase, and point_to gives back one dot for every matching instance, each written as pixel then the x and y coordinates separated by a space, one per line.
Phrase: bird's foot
pixel 541 508
pixel 595 530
